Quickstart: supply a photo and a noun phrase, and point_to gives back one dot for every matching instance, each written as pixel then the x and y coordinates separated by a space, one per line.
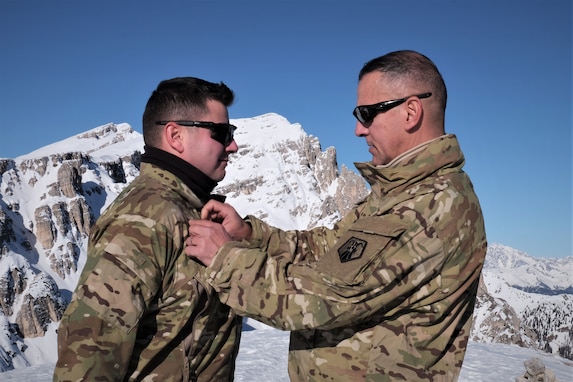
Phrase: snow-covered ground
pixel 263 358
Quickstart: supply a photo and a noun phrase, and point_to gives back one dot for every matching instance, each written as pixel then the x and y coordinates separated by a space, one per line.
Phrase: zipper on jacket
pixel 202 297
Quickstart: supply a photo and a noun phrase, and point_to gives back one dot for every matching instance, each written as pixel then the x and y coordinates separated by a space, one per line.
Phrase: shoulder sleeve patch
pixel 352 249
pixel 364 242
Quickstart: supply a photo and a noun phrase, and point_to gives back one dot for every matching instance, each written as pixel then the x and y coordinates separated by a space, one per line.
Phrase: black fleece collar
pixel 197 181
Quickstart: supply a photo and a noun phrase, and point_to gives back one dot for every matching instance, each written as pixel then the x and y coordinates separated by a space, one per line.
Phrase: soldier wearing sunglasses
pixel 388 293
pixel 139 312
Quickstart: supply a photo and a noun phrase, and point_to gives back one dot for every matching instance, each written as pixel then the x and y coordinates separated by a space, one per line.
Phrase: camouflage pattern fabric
pixel 138 313
pixel 388 293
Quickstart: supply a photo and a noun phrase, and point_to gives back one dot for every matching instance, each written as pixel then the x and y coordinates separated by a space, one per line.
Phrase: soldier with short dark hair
pixel 388 293
pixel 139 312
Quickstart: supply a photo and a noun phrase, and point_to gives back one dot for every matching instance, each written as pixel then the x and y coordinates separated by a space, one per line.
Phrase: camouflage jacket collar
pixel 154 174
pixel 434 156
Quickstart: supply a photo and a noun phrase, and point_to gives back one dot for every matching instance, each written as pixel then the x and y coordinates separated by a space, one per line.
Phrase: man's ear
pixel 414 115
pixel 173 136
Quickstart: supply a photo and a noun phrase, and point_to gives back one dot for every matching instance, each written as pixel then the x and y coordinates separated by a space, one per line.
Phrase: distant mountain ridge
pixel 49 198
pixel 543 276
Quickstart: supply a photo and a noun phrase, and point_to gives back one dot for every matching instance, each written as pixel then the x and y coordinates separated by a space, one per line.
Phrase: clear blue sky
pixel 69 66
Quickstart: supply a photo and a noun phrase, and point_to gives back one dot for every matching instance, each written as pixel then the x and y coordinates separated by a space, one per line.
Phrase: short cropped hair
pixel 412 67
pixel 178 99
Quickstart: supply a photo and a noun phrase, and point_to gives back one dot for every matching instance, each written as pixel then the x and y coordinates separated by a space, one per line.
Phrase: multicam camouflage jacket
pixel 385 295
pixel 138 312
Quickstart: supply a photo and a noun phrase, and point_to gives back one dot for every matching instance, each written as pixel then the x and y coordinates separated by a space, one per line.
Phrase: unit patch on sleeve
pixel 351 250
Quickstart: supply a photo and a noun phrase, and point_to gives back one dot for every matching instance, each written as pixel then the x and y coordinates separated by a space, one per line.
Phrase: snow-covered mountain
pixel 525 301
pixel 50 197
pixel 542 276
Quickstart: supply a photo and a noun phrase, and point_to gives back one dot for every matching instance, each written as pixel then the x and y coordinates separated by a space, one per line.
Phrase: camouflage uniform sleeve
pixel 371 267
pixel 97 333
pixel 300 245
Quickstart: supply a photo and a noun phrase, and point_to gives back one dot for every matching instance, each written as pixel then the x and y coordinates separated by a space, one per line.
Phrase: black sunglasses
pixel 366 113
pixel 221 132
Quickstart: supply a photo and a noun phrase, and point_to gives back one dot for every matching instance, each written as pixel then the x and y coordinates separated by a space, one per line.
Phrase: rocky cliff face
pixel 41 305
pixel 279 166
pixel 49 200
pixel 497 321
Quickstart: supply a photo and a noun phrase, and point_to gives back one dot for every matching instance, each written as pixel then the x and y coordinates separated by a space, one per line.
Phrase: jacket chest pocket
pixel 364 242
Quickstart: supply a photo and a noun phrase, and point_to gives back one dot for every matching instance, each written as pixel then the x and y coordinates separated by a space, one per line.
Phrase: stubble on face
pixel 203 152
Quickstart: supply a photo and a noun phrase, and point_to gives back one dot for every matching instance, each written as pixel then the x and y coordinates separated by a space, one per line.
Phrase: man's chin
pixel 219 176
pixel 375 162
pixel 220 172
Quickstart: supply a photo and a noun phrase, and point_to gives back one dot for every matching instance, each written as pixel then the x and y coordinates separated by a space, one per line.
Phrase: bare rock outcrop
pixel 70 179
pixel 81 216
pixel 46 230
pixel 38 165
pixel 42 304
pixel 351 189
pixel 66 262
pixel 12 283
pixel 5 165
pixel 325 163
pixel 7 234
pixel 535 371
pixel 115 170
pixel 496 320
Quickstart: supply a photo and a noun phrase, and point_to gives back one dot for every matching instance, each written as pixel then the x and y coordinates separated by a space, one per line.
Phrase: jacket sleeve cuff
pixel 259 228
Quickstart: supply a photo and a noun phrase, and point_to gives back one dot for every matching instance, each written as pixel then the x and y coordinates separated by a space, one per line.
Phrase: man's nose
pixel 233 147
pixel 360 130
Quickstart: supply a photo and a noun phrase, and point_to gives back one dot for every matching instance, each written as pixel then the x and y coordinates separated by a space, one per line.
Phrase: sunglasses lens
pixel 220 135
pixel 228 136
pixel 223 134
pixel 362 114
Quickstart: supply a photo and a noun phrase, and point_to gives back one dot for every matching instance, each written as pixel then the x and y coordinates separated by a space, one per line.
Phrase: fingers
pixel 212 210
pixel 201 226
pixel 199 251
pixel 205 239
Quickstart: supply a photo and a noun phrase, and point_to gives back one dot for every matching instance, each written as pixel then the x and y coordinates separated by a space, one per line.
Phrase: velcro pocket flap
pixel 365 240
